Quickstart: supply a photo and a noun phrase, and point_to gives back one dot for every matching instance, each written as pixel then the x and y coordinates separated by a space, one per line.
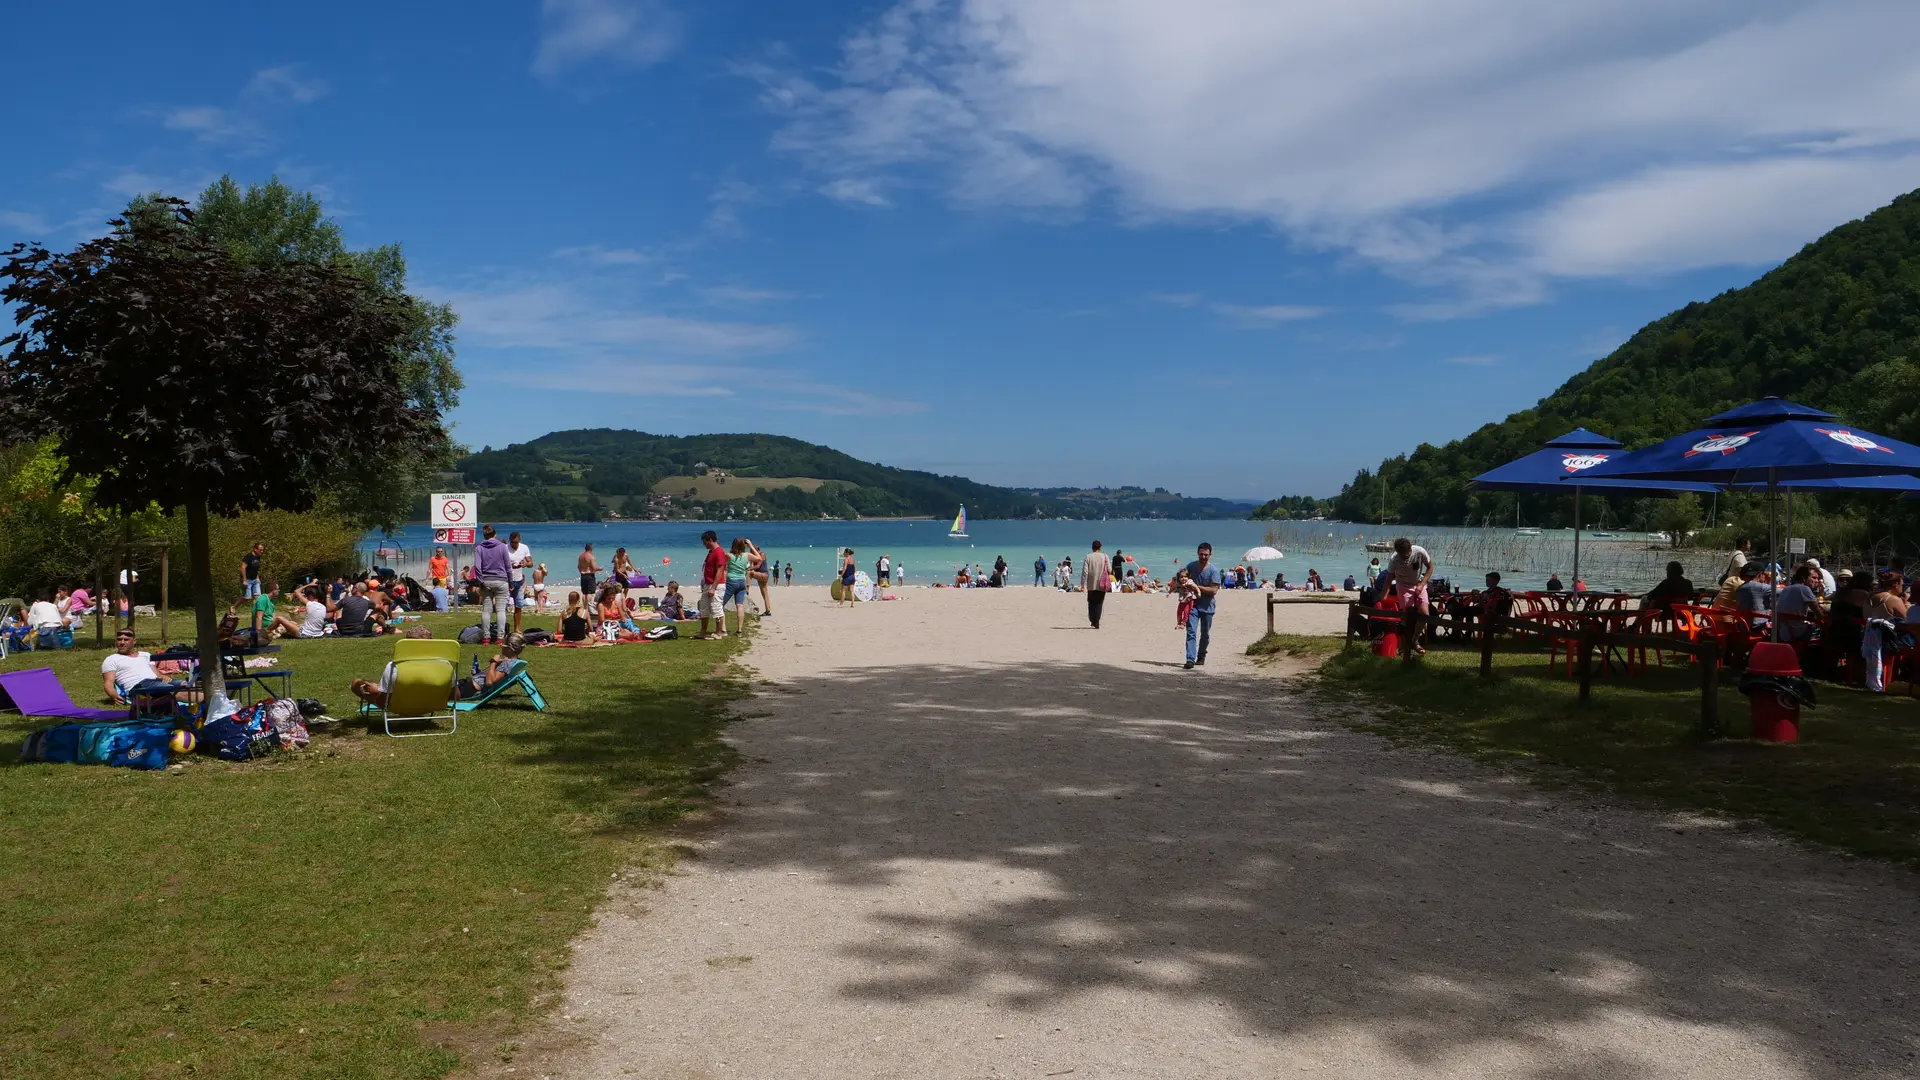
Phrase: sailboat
pixel 959 530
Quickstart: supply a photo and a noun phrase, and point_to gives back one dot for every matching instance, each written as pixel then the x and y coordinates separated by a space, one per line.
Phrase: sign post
pixel 455 517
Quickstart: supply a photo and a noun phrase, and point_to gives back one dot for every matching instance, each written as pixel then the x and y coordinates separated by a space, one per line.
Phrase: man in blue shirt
pixel 1206 579
pixel 1039 570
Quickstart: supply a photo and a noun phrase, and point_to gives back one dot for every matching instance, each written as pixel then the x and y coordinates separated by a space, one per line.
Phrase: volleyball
pixel 183 742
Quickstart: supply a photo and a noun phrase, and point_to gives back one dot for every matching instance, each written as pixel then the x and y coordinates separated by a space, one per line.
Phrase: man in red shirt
pixel 713 577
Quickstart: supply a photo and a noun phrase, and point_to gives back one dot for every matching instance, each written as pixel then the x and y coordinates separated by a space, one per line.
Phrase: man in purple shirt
pixel 491 564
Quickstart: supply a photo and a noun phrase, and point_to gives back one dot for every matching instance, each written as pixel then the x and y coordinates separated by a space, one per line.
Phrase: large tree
pixel 272 224
pixel 211 385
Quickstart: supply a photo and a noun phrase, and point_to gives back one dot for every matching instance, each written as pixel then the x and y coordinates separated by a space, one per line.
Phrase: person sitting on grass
pixel 611 610
pixel 575 624
pixel 673 607
pixel 268 623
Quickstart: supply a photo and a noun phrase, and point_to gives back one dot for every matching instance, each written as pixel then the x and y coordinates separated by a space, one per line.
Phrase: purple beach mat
pixel 37 692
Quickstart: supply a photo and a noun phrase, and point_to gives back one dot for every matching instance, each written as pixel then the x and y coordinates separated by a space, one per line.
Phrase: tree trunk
pixel 206 624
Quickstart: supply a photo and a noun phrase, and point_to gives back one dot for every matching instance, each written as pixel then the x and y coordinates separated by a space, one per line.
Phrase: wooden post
pixel 1710 689
pixel 1586 664
pixel 1486 645
pixel 164 639
pixel 1270 603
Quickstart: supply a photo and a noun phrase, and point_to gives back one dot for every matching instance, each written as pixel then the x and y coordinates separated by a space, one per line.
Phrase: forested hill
pixel 1837 326
pixel 587 474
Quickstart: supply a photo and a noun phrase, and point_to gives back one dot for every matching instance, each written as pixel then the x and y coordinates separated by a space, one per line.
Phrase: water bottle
pixel 476 664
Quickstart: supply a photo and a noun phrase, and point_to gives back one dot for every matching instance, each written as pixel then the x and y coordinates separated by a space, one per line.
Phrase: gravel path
pixel 977 839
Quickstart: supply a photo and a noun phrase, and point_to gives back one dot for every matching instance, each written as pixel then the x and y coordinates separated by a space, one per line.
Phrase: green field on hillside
pixel 710 487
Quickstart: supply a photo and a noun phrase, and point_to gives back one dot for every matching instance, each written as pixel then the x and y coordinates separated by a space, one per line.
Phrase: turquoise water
pixel 922 545
pixel 1334 549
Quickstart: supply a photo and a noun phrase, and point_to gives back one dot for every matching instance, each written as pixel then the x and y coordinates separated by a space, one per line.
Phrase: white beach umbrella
pixel 1261 554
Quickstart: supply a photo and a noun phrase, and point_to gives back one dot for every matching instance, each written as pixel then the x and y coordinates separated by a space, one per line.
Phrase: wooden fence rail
pixel 1584 639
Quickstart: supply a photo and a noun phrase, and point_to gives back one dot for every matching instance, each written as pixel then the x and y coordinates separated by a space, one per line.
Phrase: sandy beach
pixel 974 838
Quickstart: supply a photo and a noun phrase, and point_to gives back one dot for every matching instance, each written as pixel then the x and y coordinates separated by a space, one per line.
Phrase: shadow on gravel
pixel 1310 880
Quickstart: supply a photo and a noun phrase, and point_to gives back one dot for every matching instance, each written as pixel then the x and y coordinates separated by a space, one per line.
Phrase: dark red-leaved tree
pixel 185 380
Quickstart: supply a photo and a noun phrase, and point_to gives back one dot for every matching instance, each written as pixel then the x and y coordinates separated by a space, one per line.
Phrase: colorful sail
pixel 959 523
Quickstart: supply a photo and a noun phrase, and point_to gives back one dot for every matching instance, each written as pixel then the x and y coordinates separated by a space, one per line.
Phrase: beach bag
pixel 230 740
pixel 134 745
pixel 538 637
pixel 473 635
pixel 662 633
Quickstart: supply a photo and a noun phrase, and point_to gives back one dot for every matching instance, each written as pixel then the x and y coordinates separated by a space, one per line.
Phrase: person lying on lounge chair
pixel 470 686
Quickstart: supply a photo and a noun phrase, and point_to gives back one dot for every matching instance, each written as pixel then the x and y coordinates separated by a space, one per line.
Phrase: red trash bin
pixel 1776 717
pixel 1388 643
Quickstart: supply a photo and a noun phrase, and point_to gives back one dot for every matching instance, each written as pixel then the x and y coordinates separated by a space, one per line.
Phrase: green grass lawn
pixel 1851 782
pixel 371 907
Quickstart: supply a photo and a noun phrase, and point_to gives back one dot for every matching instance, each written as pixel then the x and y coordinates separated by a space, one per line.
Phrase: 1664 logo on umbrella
pixel 1858 442
pixel 1721 444
pixel 1581 462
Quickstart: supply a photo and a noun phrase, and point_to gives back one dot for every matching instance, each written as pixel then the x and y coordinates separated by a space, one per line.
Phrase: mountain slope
pixel 575 473
pixel 1836 326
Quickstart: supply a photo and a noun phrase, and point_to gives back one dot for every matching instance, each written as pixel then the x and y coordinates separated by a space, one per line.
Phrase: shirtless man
pixel 589 571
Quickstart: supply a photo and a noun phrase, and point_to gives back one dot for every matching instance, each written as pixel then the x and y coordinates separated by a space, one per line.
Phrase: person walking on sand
pixel 883 570
pixel 589 571
pixel 847 573
pixel 788 572
pixel 1096 577
pixel 713 575
pixel 1039 570
pixel 1205 580
pixel 740 563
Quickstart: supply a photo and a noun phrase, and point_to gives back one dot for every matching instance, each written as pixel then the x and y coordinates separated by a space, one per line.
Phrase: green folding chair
pixel 517 678
pixel 422 691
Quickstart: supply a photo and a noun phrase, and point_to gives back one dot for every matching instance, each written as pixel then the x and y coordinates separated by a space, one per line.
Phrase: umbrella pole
pixel 1576 534
pixel 1773 541
pixel 1786 567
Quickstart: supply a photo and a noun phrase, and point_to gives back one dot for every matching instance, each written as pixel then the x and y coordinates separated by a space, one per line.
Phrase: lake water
pixel 1335 549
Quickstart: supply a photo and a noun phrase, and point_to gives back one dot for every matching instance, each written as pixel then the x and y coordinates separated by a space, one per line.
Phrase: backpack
pixel 473 635
pixel 538 637
pixel 662 633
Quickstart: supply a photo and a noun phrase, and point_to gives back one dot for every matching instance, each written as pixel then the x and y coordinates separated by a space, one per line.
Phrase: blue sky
pixel 1231 247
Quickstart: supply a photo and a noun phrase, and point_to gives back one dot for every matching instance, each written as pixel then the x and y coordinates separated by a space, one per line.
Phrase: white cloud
pixel 286 82
pixel 248 120
pixel 736 294
pixel 129 183
pixel 603 256
pixel 1482 147
pixel 1268 314
pixel 631 33
pixel 567 317
pixel 22 222
pixel 848 189
pixel 779 389
pixel 1474 361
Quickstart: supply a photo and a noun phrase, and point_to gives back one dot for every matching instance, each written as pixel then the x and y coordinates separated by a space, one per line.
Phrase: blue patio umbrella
pixel 1570 457
pixel 1770 441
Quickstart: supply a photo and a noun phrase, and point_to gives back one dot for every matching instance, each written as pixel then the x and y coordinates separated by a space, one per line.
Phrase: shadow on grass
pixel 1314 881
pixel 1852 781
